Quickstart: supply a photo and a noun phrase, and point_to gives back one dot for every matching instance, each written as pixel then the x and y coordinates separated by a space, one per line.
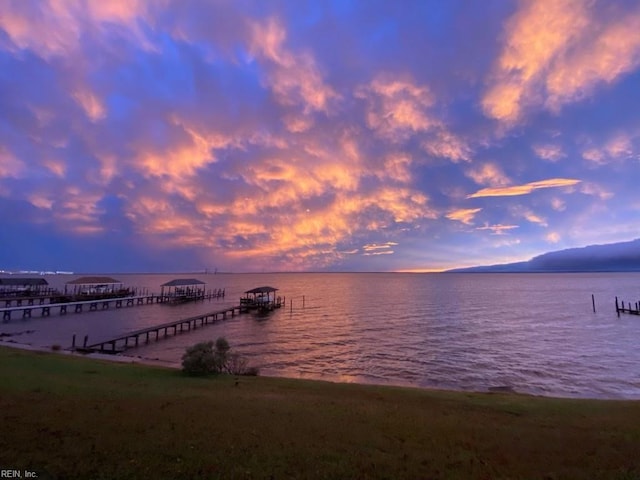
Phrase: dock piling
pixel 632 308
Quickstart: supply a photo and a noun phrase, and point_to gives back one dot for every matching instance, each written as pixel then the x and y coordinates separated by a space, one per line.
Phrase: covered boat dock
pixel 24 287
pixel 261 298
pixel 96 287
pixel 183 290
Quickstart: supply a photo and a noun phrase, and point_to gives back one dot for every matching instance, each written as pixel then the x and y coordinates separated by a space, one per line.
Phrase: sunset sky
pixel 178 135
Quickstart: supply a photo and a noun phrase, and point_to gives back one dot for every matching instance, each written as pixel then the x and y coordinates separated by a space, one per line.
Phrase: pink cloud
pixel 488 174
pixel 397 108
pixel 10 166
pixel 295 78
pixel 550 152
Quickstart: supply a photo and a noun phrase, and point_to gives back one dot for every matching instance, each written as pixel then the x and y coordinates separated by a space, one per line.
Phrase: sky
pixel 292 135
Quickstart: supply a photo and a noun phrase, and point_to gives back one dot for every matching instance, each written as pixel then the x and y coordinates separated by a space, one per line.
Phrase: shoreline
pixel 94 356
pixel 138 360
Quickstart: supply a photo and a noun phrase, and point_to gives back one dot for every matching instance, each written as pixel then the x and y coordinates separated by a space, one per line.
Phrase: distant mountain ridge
pixel 612 257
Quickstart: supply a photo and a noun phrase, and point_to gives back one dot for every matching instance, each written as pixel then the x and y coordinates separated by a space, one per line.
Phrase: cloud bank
pixel 184 135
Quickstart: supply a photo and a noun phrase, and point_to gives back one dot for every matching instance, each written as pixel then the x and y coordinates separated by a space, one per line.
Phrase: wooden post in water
pixel 302 301
pixel 593 302
pixel 73 342
pixel 86 339
pixel 617 309
pixel 291 305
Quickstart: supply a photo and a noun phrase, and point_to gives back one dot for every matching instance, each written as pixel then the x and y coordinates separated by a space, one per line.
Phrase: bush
pixel 204 359
pixel 251 372
pixel 222 355
pixel 236 364
pixel 199 359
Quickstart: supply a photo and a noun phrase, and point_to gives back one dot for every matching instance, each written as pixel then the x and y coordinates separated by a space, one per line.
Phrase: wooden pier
pixel 157 332
pixel 633 309
pixel 45 309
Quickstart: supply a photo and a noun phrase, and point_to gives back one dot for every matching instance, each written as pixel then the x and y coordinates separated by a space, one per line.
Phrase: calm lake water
pixel 535 333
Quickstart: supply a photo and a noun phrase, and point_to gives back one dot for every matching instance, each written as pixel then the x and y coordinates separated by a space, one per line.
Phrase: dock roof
pixel 262 290
pixel 183 282
pixel 94 281
pixel 20 282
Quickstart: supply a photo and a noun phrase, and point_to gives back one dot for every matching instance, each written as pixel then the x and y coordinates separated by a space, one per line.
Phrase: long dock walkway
pixel 133 339
pixel 93 305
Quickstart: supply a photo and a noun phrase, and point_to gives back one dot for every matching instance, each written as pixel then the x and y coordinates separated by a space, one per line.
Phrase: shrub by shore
pixel 69 417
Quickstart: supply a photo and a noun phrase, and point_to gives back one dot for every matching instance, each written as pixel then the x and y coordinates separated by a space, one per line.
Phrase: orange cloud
pixel 523 189
pixel 397 108
pixel 464 215
pixel 556 53
pixel 296 207
pixel 535 35
pixel 190 150
pixel 612 50
pixel 447 145
pixel 303 236
pixel 396 167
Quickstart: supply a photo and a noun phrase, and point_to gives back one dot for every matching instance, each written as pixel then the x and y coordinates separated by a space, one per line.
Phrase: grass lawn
pixel 73 418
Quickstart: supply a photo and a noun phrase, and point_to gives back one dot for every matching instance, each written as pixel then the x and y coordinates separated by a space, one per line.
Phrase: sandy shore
pixel 98 356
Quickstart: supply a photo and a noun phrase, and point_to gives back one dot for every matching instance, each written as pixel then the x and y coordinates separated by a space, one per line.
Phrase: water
pixel 535 333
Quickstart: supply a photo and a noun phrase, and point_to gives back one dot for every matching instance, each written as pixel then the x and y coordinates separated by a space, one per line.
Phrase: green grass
pixel 69 417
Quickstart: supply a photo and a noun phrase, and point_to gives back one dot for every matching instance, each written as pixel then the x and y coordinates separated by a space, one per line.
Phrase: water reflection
pixel 534 333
